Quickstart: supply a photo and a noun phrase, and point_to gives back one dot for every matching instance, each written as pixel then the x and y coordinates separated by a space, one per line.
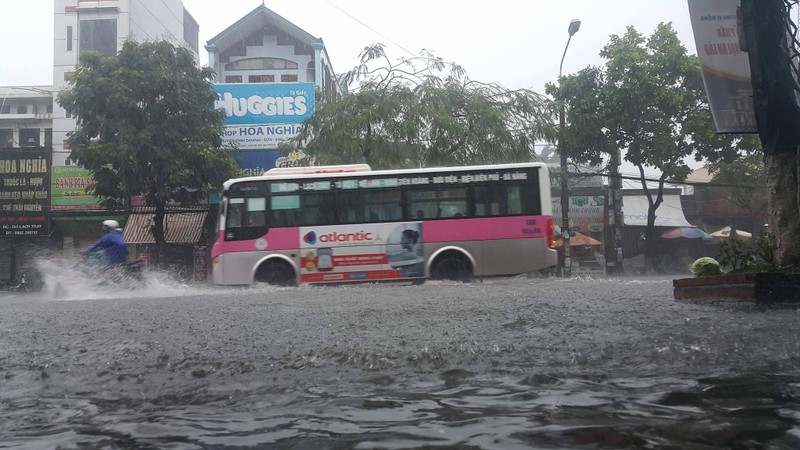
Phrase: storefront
pixel 185 231
pixel 24 209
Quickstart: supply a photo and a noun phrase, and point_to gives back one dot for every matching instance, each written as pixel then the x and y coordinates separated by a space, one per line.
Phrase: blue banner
pixel 255 163
pixel 265 103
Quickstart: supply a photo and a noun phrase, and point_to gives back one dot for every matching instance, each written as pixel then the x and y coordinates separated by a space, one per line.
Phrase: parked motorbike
pixel 14 285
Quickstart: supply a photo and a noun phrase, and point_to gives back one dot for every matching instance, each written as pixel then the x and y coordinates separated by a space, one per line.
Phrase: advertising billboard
pixel 725 66
pixel 68 189
pixel 585 212
pixel 256 162
pixel 361 252
pixel 259 116
pixel 24 192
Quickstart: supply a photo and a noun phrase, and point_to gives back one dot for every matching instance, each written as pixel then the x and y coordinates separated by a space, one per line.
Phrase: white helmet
pixel 110 225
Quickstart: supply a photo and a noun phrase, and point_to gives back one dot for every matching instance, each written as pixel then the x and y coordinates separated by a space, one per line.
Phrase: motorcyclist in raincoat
pixel 111 249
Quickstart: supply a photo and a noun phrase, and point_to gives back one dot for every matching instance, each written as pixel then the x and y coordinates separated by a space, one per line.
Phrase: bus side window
pixel 235 213
pixel 486 203
pixel 256 212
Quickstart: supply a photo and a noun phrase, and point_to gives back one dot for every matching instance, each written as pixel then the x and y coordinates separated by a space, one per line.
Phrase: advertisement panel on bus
pixel 361 252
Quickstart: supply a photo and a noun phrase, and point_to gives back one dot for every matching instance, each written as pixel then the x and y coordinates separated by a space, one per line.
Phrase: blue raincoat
pixel 113 247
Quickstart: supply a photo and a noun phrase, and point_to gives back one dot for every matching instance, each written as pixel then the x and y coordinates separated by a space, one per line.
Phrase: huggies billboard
pixel 259 116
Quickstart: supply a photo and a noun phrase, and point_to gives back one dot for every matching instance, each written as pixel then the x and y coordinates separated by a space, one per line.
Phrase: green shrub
pixel 758 256
pixel 705 267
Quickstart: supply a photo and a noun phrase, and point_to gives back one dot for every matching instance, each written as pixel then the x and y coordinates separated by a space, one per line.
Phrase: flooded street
pixel 504 363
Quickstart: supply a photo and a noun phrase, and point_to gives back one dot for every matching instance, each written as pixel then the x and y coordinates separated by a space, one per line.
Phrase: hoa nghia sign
pixel 261 116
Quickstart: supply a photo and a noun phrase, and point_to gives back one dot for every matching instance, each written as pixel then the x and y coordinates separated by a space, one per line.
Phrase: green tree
pixel 146 125
pixel 421 112
pixel 747 184
pixel 647 101
pixel 773 51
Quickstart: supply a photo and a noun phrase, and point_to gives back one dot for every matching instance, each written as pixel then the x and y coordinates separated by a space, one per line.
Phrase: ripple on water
pixel 461 409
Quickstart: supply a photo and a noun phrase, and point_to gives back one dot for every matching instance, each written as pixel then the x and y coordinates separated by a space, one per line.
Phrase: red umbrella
pixel 579 240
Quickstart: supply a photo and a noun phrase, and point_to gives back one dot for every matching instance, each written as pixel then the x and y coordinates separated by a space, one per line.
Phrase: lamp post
pixel 574 26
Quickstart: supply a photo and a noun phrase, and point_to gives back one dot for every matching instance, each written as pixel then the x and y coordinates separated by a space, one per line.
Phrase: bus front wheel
pixel 276 273
pixel 451 266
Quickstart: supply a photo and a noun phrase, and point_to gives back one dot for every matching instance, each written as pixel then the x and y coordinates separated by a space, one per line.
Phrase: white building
pixel 263 47
pixel 26 114
pixel 104 26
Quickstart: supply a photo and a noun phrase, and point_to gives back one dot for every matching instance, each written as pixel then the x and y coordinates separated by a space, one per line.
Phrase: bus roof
pixel 344 168
pixel 324 172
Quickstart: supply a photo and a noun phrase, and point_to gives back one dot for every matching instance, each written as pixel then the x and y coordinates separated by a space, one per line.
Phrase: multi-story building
pixel 264 56
pixel 26 114
pixel 103 26
pixel 262 52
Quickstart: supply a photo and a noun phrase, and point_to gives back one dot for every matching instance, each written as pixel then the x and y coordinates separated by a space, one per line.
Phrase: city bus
pixel 341 224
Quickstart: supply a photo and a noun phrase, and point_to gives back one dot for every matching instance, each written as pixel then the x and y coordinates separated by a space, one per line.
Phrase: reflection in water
pixel 748 411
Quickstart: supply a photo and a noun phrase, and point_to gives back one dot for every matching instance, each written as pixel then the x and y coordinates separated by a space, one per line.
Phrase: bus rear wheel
pixel 451 266
pixel 276 273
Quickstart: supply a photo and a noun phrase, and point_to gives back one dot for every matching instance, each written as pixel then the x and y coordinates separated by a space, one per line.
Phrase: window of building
pixel 261 64
pixel 288 78
pixel 98 35
pixel 49 108
pixel 69 39
pixel 191 31
pixel 233 78
pixel 261 78
pixel 6 109
pixel 6 137
pixel 28 137
pixel 311 72
pixel 22 109
pixel 48 137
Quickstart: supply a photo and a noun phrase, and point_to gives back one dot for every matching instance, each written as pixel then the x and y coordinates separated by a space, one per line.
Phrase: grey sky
pixel 513 42
pixel 516 43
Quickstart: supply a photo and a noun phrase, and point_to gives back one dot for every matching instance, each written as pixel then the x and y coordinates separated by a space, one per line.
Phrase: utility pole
pixel 613 219
pixel 574 26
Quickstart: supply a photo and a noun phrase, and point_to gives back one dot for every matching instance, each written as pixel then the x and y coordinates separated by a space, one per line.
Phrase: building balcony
pixel 26 117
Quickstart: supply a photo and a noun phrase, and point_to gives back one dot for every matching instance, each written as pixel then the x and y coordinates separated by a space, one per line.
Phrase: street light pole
pixel 574 26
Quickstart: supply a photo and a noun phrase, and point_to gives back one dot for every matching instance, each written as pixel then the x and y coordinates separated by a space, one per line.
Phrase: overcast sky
pixel 516 43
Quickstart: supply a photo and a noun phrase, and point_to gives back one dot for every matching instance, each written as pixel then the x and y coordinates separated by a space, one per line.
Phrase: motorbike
pixel 129 274
pixel 14 285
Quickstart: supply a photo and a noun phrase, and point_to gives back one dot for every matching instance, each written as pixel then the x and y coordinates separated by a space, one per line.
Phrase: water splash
pixel 67 279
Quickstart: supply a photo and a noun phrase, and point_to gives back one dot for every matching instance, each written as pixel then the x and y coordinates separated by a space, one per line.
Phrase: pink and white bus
pixel 337 224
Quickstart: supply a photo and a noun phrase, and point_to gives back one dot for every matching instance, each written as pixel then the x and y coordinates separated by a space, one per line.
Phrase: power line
pixel 370 28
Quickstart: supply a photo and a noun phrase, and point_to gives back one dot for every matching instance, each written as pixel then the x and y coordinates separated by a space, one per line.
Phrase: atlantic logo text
pixel 267 106
pixel 334 237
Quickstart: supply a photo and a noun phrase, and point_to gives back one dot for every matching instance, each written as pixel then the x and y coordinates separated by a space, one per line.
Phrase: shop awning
pixel 668 214
pixel 179 227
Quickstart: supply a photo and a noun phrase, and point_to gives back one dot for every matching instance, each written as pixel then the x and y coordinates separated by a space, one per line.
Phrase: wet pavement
pixel 504 363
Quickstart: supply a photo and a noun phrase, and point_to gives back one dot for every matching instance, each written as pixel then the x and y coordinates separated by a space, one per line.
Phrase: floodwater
pixel 504 363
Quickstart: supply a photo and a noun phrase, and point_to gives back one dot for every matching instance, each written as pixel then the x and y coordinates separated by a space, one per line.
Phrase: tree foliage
pixel 146 125
pixel 422 111
pixel 647 101
pixel 747 178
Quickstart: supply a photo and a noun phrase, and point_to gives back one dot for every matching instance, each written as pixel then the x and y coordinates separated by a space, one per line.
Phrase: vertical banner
pixel 24 192
pixel 725 67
